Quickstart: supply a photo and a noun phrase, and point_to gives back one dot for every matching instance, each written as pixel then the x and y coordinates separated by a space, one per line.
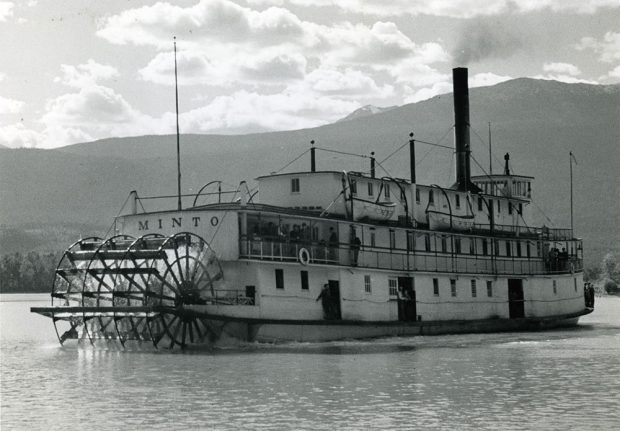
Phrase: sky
pixel 78 71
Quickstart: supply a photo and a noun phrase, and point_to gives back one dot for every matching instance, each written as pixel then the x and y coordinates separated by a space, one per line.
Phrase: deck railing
pixel 401 260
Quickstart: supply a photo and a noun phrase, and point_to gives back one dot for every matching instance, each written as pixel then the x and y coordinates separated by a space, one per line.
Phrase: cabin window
pixel 489 288
pixel 457 199
pixel 367 286
pixel 417 195
pixel 431 198
pixel 485 247
pixel 294 185
pixel 499 206
pixel 279 279
pixel 518 245
pixel 575 283
pixel 453 287
pixel 370 189
pixel 435 286
pixel 427 242
pixel 520 208
pixel 393 286
pixel 410 244
pixel 496 248
pixel 457 245
pixel 444 245
pixel 392 239
pixel 386 190
pixel 304 280
pixel 353 185
pixel 373 239
pixel 472 248
pixel 474 292
pixel 479 203
pixel 509 207
pixel 508 249
pixel 527 249
pixel 555 287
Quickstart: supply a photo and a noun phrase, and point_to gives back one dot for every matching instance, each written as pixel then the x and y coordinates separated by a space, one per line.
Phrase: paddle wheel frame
pixel 125 289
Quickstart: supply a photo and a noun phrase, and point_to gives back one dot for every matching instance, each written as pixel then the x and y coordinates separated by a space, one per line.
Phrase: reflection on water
pixel 542 380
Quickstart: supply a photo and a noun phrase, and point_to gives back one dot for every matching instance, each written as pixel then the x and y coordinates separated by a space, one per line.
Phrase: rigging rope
pixel 342 152
pixel 424 142
pixel 292 161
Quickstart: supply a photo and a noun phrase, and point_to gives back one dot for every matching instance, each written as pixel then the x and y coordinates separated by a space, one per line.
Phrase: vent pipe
pixel 461 128
pixel 372 164
pixel 312 157
pixel 412 157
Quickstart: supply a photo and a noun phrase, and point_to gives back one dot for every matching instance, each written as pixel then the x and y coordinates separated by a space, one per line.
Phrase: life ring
pixel 304 256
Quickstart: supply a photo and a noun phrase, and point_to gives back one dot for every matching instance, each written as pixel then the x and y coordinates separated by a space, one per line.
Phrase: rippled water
pixel 552 380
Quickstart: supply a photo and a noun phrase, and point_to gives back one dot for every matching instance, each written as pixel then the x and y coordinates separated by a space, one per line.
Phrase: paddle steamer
pixel 326 255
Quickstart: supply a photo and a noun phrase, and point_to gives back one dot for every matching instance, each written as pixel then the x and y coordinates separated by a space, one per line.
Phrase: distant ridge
pixel 538 122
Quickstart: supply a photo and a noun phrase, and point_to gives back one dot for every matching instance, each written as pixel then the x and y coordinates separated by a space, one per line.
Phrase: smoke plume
pixel 481 40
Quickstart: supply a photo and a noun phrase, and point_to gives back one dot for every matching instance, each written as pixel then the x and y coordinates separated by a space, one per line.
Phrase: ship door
pixel 406 300
pixel 516 301
pixel 334 294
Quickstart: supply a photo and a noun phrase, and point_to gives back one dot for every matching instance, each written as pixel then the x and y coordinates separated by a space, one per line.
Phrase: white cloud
pixel 6 10
pixel 413 95
pixel 229 34
pixel 349 84
pixel 614 73
pixel 216 20
pixel 85 75
pixel 10 106
pixel 417 74
pixel 196 68
pixel 569 79
pixel 562 68
pixel 16 135
pixel 608 48
pixel 487 79
pixel 451 8
pixel 282 111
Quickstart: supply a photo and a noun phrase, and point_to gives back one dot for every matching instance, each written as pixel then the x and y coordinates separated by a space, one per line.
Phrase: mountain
pixel 538 122
pixel 366 111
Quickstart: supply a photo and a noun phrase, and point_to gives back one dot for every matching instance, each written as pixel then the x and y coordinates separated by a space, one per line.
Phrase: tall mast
pixel 176 93
pixel 490 156
pixel 571 158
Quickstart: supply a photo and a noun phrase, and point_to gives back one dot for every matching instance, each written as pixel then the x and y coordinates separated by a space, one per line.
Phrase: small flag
pixel 572 156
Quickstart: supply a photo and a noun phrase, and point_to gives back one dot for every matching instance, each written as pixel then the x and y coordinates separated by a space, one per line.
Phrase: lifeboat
pixel 368 210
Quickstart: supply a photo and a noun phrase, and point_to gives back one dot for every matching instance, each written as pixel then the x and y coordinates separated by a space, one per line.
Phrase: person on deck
pixel 333 244
pixel 325 298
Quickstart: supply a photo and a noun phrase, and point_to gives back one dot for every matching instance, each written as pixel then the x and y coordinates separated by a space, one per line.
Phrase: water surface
pixel 553 380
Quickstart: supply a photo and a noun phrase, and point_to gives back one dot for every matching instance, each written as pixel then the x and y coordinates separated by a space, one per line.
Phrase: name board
pixel 176 222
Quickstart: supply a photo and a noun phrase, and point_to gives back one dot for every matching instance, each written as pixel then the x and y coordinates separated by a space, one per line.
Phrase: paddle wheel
pixel 152 288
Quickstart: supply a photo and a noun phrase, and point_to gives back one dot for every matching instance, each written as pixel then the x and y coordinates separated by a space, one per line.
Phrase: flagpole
pixel 176 92
pixel 570 156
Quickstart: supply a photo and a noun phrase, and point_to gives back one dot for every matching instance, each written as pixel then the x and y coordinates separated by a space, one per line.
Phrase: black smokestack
pixel 461 128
